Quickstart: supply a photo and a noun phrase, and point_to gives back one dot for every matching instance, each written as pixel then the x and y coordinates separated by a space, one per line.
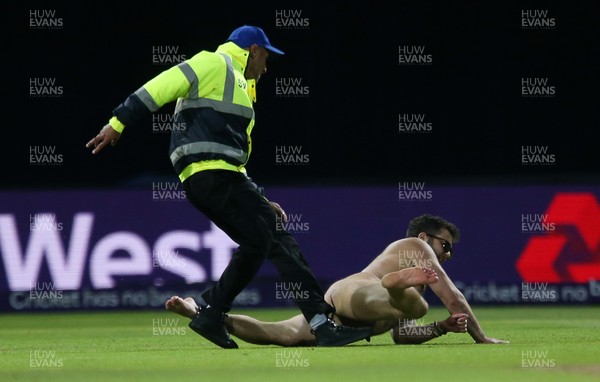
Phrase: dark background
pixel 349 123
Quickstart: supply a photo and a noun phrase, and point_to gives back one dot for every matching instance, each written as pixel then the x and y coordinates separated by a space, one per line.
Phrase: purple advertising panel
pixel 129 249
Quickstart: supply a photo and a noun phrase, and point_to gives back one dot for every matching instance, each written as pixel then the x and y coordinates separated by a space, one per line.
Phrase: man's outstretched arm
pixel 456 302
pixel 168 86
pixel 405 333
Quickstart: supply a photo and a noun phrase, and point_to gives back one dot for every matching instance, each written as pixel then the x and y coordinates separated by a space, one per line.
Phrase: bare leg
pixel 292 332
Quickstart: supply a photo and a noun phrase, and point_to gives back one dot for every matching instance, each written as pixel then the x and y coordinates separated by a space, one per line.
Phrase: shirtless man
pixel 385 295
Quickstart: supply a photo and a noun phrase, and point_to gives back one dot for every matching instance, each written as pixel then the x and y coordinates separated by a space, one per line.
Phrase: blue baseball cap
pixel 247 35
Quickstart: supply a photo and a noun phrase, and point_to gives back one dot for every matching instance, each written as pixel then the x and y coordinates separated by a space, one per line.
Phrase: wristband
pixel 437 330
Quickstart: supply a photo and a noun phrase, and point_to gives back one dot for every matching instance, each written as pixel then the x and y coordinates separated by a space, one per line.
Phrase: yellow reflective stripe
pixel 147 99
pixel 208 147
pixel 220 106
pixel 226 104
pixel 195 167
pixel 164 88
pixel 239 55
pixel 116 124
pixel 192 78
pixel 229 86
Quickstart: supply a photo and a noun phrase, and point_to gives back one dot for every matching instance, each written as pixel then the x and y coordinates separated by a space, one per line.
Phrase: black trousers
pixel 235 204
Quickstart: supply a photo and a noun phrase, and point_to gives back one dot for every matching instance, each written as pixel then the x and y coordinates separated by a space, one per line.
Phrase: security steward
pixel 209 149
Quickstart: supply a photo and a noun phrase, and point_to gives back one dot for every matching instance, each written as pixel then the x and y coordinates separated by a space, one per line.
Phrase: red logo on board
pixel 570 253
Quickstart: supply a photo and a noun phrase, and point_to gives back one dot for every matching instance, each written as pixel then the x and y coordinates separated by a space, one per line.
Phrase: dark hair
pixel 431 224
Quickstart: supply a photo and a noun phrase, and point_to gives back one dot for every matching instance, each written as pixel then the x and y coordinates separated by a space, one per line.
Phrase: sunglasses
pixel 446 246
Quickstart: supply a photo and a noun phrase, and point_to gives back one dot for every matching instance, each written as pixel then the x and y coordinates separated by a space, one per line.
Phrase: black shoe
pixel 210 324
pixel 330 334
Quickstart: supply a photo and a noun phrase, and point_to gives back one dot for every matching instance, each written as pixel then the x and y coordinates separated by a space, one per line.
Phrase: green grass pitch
pixel 546 344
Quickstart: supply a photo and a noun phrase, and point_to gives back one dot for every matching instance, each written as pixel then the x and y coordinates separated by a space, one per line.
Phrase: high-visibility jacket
pixel 214 113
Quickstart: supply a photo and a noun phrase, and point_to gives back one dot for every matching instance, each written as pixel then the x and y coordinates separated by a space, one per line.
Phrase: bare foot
pixel 409 277
pixel 184 307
